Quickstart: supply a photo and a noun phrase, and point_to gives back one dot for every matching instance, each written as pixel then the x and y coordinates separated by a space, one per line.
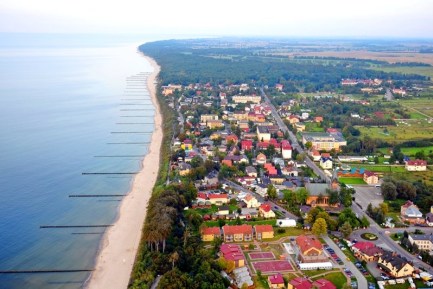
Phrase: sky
pixel 308 18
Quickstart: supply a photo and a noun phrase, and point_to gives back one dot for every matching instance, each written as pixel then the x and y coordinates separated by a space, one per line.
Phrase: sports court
pixel 272 266
pixel 261 255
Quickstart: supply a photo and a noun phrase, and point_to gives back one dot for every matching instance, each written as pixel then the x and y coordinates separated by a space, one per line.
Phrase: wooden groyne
pixel 95 196
pixel 114 173
pixel 44 271
pixel 73 226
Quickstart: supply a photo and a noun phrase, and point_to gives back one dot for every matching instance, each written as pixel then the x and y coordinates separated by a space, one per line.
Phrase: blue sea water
pixel 67 104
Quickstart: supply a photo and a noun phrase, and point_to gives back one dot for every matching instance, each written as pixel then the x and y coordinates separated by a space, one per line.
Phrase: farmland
pixel 419 105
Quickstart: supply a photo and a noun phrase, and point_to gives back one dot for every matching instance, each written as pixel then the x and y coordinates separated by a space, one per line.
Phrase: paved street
pixel 367 194
pixel 362 282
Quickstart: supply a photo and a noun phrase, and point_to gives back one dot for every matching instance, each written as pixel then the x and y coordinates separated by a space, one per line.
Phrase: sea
pixel 75 121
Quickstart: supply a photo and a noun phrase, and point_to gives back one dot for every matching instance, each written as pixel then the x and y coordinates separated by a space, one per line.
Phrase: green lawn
pixel 410 130
pixel 384 168
pixel 337 278
pixel 413 151
pixel 352 181
pixel 416 115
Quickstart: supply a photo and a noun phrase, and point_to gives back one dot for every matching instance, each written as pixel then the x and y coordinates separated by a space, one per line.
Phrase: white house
pixel 325 163
pixel 416 165
pixel 286 150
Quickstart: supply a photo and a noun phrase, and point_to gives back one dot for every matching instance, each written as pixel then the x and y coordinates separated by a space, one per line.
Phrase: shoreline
pixel 119 246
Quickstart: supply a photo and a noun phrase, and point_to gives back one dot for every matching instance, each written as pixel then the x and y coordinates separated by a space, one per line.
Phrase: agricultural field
pixel 384 168
pixel 413 151
pixel 421 70
pixel 420 107
pixel 403 131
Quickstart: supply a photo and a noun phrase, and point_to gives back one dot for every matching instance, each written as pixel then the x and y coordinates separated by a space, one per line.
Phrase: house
pixel 184 169
pixel 263 232
pixel 261 159
pixel 325 163
pixel 409 212
pixel 423 242
pixel 237 233
pixel 371 178
pixel 305 283
pixel 251 201
pixel 266 212
pixel 270 169
pixel 366 251
pixel 212 124
pixel 218 199
pixel 317 194
pixel 233 253
pixel 293 119
pixel 209 234
pixel 416 165
pixel 310 250
pixel 276 281
pixel 286 150
pixel 206 117
pixel 429 217
pixel 246 145
pixel 187 145
pixel 279 87
pixel 300 127
pixel 290 170
pixel 263 133
pixel 251 171
pixel 227 161
pixel 315 154
pixel 262 190
pixel 223 211
pixel 232 138
pixel 394 265
pixel 318 119
pixel 240 115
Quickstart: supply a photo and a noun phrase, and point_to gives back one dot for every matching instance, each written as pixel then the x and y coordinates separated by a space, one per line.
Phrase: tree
pixel 308 145
pixel 346 229
pixel 364 222
pixel 389 191
pixel 301 196
pixel 319 227
pixel 333 197
pixel 272 192
pixel 174 257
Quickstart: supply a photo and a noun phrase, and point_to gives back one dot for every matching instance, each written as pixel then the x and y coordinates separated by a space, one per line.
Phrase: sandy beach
pixel 116 258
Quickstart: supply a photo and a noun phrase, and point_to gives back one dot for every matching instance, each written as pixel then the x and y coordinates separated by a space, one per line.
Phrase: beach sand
pixel 117 254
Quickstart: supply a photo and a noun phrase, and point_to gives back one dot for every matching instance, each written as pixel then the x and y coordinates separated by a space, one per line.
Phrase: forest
pixel 196 61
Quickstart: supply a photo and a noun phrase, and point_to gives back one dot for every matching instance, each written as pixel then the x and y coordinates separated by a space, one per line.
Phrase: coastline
pixel 116 257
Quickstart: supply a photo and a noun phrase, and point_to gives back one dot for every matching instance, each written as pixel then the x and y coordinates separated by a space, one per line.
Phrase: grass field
pixel 352 181
pixel 409 130
pixel 420 106
pixel 383 168
pixel 421 70
pixel 413 151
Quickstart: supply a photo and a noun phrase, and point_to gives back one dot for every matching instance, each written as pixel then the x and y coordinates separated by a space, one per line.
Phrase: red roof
pixel 331 130
pixel 232 252
pixel 265 207
pixel 211 231
pixel 305 243
pixel 286 145
pixel 363 245
pixel 217 196
pixel 276 279
pixel 316 153
pixel 263 228
pixel 301 283
pixel 202 196
pixel 246 144
pixel 324 284
pixel 325 155
pixel 417 163
pixel 187 141
pixel 239 229
pixel 369 173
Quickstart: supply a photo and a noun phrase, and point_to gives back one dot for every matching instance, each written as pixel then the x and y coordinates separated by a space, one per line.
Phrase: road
pixel 293 140
pixel 391 244
pixel 362 282
pixel 388 95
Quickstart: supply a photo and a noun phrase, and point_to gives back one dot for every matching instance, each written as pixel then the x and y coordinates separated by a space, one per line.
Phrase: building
pixel 315 154
pixel 218 199
pixel 429 217
pixel 276 281
pixel 187 145
pixel 237 233
pixel 251 201
pixel 240 115
pixel 371 178
pixel 317 195
pixel 209 234
pixel 233 253
pixel 251 171
pixel 261 159
pixel 416 165
pixel 286 150
pixel 247 98
pixel 324 140
pixel 246 145
pixel 206 117
pixel 394 265
pixel 170 89
pixel 232 138
pixel 286 223
pixel 212 124
pixel 263 232
pixel 309 253
pixel 325 163
pixel 266 212
pixel 263 134
pixel 409 212
pixel 366 251
pixel 184 169
pixel 423 242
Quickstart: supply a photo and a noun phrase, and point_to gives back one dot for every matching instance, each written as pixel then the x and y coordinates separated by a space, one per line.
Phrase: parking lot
pixel 367 194
pixel 333 255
